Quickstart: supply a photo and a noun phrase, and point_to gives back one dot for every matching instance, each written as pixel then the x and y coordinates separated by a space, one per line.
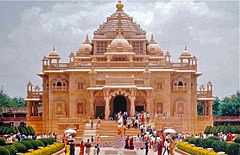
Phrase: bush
pixel 39 143
pixel 208 143
pixel 45 141
pixel 51 140
pixel 198 142
pixel 2 142
pixel 233 149
pixel 193 150
pixel 208 130
pixel 188 138
pixel 27 139
pixel 12 150
pixel 214 138
pixel 219 146
pixel 4 151
pixel 47 150
pixel 34 144
pixel 20 147
pixel 237 140
pixel 192 140
pixel 28 144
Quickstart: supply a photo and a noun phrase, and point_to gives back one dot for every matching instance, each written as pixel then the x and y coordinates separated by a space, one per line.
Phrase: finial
pixel 152 41
pixel 119 5
pixel 185 47
pixel 87 41
pixel 53 48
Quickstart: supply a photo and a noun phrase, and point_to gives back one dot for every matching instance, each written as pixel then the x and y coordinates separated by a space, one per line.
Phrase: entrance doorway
pixel 119 104
pixel 139 108
pixel 100 112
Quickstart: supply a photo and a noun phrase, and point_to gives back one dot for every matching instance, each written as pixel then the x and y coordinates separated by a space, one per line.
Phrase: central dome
pixel 119 44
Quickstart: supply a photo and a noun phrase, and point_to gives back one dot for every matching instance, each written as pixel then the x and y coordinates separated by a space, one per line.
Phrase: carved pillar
pixel 203 108
pixel 210 108
pixel 35 109
pixel 132 99
pixel 148 100
pixel 132 107
pixel 107 107
pixel 91 100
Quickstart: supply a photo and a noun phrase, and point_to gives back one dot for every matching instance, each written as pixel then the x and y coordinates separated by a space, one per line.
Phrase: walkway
pixel 112 151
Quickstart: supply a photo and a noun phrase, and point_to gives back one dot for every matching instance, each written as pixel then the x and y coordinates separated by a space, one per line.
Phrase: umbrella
pixel 169 131
pixel 70 131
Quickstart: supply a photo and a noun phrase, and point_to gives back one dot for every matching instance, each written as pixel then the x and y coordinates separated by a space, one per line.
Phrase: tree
pixel 216 107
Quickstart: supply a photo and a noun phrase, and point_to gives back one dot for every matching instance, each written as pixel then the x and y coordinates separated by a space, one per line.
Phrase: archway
pixel 119 104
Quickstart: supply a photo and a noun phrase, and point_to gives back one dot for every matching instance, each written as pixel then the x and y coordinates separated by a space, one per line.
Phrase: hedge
pixel 193 150
pixel 47 150
pixel 235 129
pixel 233 149
pixel 12 149
pixel 23 130
pixel 4 151
pixel 237 140
pixel 20 147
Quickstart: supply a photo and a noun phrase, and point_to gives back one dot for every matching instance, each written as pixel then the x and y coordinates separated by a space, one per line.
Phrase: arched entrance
pixel 119 104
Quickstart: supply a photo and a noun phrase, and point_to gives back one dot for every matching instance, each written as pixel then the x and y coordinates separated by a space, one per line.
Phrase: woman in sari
pixel 81 148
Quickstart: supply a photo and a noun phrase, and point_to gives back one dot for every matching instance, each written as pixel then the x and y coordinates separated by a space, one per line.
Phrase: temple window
pixel 80 85
pixel 159 108
pixel 159 85
pixel 180 86
pixel 59 85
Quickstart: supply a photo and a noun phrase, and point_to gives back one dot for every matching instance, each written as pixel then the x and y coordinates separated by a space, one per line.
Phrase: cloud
pixel 207 32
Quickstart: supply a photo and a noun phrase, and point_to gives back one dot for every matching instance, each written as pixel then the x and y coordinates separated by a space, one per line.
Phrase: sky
pixel 29 30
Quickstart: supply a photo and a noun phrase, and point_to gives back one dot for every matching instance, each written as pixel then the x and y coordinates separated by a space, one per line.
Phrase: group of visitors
pixel 19 137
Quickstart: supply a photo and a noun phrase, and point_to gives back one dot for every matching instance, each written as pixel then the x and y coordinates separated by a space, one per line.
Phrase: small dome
pixel 119 44
pixel 153 47
pixel 86 46
pixel 54 54
pixel 185 53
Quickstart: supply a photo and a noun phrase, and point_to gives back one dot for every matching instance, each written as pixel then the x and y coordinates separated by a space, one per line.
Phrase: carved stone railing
pixel 34 118
pixel 204 118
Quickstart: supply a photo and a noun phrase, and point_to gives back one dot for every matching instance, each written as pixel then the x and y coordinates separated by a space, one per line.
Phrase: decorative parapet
pixel 205 91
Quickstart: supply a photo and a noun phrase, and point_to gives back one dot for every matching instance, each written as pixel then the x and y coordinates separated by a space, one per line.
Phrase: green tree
pixel 216 107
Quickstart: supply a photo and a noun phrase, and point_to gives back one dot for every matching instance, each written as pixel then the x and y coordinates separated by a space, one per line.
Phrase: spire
pixel 152 41
pixel 185 48
pixel 119 29
pixel 119 5
pixel 53 49
pixel 87 41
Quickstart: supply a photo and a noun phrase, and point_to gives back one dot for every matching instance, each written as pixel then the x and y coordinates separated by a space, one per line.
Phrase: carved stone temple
pixel 119 69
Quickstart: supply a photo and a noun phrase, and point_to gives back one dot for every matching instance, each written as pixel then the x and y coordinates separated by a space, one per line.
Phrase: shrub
pixel 34 144
pixel 237 140
pixel 2 142
pixel 219 146
pixel 214 138
pixel 208 130
pixel 20 147
pixel 27 139
pixel 4 151
pixel 39 143
pixel 208 143
pixel 192 140
pixel 12 150
pixel 51 140
pixel 198 142
pixel 28 144
pixel 45 141
pixel 47 150
pixel 193 150
pixel 188 138
pixel 233 149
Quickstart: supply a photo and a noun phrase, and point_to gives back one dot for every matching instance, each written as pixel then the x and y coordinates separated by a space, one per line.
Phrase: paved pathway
pixel 112 151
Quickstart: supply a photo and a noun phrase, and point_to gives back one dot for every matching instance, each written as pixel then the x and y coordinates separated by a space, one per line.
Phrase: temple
pixel 119 69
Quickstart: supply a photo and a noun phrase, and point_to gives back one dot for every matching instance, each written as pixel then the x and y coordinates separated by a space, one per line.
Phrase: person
pixel 148 118
pixel 91 121
pixel 92 139
pixel 131 147
pixel 81 149
pixel 88 146
pixel 159 148
pixel 166 146
pixel 146 147
pixel 72 148
pixel 96 150
pixel 172 146
pixel 126 143
pixel 65 140
pixel 98 123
